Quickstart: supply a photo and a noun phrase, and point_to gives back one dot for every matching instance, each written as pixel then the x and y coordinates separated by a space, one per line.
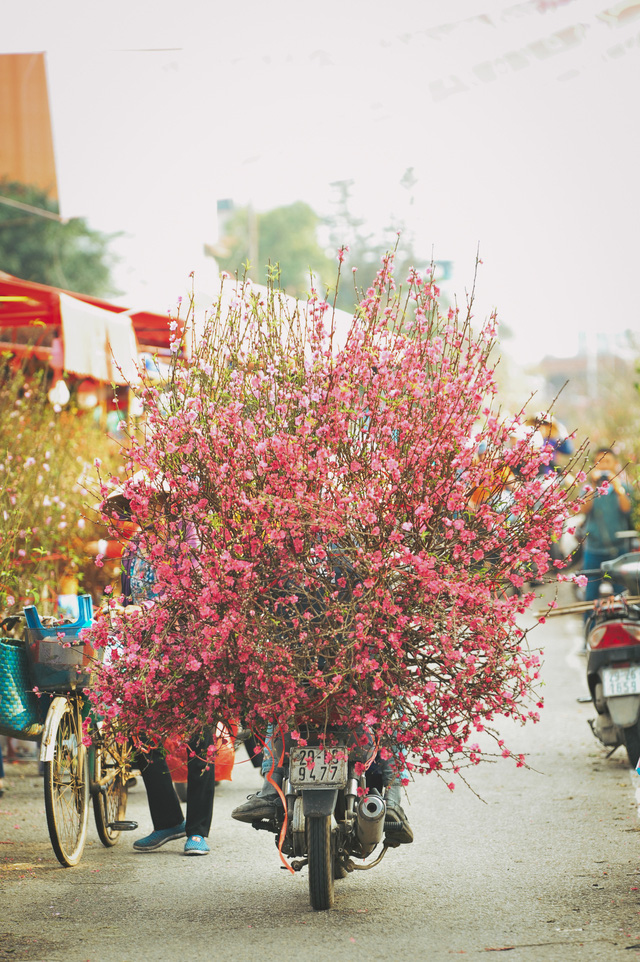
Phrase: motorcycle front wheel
pixel 631 739
pixel 321 861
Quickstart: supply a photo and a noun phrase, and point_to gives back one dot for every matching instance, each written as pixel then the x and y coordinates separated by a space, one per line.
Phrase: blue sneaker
pixel 151 842
pixel 196 845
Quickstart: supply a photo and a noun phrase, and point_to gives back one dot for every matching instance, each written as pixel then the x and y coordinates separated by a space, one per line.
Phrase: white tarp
pixel 98 343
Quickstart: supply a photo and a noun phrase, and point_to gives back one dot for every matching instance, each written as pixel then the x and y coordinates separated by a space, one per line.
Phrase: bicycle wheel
pixel 321 861
pixel 66 785
pixel 111 770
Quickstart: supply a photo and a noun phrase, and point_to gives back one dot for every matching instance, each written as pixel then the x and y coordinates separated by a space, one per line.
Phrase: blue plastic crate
pixel 58 658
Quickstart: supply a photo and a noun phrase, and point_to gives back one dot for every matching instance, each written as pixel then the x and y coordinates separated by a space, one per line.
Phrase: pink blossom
pixel 352 548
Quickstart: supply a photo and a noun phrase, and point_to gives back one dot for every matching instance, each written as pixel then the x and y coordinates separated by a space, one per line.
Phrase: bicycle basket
pixel 19 707
pixel 58 658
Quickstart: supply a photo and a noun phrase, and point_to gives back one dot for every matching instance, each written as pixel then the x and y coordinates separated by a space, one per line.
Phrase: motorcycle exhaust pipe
pixel 370 822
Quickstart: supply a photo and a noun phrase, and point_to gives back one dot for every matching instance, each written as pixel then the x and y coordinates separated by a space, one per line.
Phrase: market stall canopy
pixel 100 339
pixel 104 340
pixel 98 343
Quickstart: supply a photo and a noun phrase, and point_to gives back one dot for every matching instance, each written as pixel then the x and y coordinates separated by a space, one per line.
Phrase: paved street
pixel 545 864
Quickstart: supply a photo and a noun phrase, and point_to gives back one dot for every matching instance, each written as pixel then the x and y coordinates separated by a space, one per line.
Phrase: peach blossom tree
pixel 345 531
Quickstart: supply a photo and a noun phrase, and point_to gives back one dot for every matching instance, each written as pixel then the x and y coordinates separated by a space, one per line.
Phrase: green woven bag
pixel 19 709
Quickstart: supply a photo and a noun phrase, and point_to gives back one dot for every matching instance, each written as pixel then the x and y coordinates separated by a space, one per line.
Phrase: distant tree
pixel 598 395
pixel 600 401
pixel 285 236
pixel 38 248
pixel 299 241
pixel 366 246
pixel 610 414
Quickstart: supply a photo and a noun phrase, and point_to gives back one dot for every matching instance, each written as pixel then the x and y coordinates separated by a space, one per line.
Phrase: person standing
pixel 139 587
pixel 554 438
pixel 164 805
pixel 607 511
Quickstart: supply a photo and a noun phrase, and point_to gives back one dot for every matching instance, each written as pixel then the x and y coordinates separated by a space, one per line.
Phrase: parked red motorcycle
pixel 613 659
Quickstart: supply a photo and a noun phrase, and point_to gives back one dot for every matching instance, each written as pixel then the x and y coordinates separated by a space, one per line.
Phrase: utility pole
pixel 253 238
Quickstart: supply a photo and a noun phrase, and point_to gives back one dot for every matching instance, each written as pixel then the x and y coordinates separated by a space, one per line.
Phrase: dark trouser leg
pixel 164 805
pixel 201 784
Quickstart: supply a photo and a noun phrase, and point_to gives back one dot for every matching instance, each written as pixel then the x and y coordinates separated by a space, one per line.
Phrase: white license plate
pixel 621 681
pixel 318 768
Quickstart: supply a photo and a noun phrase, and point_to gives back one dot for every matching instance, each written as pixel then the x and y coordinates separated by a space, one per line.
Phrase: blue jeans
pixel 269 759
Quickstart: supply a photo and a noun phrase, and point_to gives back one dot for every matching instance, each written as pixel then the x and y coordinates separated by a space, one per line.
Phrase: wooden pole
pixel 581 606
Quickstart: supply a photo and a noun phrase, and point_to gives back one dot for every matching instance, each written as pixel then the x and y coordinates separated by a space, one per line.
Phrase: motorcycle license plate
pixel 621 681
pixel 317 768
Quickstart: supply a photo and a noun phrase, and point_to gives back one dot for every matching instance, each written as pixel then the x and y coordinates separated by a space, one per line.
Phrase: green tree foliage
pixel 365 249
pixel 38 248
pixel 300 241
pixel 366 246
pixel 285 236
pixel 48 490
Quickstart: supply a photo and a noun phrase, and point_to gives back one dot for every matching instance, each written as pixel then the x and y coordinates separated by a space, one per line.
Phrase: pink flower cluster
pixel 362 516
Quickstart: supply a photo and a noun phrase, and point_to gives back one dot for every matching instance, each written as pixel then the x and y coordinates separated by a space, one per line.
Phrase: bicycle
pixel 74 773
pixel 60 666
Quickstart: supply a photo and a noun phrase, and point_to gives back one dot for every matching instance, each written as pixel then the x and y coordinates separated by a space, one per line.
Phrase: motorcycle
pixel 613 659
pixel 330 815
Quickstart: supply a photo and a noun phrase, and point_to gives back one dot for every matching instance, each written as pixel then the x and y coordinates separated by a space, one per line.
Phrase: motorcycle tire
pixel 321 862
pixel 631 740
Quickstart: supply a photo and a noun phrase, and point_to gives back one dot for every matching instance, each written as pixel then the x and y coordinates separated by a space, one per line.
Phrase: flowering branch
pixel 360 510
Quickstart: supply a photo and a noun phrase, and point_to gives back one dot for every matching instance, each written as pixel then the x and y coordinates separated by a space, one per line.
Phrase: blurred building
pixel 601 364
pixel 596 391
pixel 26 140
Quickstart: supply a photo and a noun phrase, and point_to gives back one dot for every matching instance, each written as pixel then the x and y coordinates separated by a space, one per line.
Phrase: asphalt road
pixel 543 865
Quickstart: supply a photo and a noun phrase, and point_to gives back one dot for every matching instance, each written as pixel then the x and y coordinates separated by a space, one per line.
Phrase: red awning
pixel 25 304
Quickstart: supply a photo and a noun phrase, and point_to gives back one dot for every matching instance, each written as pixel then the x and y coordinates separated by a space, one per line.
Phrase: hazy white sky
pixel 520 120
